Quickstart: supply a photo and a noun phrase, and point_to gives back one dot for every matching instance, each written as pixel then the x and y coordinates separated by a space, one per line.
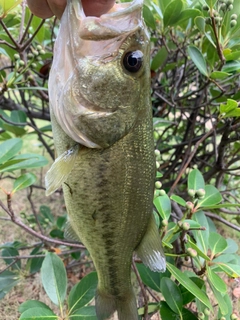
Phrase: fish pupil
pixel 133 60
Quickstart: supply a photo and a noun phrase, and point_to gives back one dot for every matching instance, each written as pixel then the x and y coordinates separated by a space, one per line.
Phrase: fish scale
pixel 103 135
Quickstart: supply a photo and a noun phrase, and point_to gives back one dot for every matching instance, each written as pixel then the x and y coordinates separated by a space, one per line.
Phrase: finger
pixel 40 8
pixel 97 7
pixel 57 7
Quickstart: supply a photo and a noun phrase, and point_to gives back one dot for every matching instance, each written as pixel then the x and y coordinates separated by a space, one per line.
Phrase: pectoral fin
pixel 69 233
pixel 150 248
pixel 60 170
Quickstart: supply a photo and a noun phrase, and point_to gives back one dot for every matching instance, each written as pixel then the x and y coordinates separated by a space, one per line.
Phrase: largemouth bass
pixel 99 91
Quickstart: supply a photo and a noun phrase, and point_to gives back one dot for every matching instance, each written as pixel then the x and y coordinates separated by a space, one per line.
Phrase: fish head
pixel 101 72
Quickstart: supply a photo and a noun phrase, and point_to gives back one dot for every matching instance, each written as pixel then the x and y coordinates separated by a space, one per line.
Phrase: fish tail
pixel 105 305
pixel 126 306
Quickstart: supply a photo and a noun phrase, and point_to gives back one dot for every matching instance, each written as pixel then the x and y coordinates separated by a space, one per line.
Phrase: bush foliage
pixel 195 49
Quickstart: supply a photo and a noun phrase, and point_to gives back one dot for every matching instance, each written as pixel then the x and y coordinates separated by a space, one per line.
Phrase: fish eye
pixel 133 61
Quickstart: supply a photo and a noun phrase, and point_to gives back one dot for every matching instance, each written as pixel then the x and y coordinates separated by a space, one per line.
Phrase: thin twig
pixel 10 36
pixel 34 210
pixel 189 159
pixel 219 49
pixel 34 256
pixel 26 29
pixel 9 265
pixel 217 217
pixel 145 298
pixel 27 43
pixel 29 230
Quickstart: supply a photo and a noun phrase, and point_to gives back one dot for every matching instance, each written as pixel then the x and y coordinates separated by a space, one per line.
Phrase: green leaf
pixel 201 236
pixel 216 281
pixel 178 199
pixel 229 106
pixel 200 23
pixel 232 270
pixel 18 116
pixel 148 17
pixel 16 130
pixel 35 264
pixel 159 59
pixel 188 315
pixel 230 109
pixel 219 75
pixel 32 304
pixel 189 285
pixel 9 149
pixel 225 258
pixel 211 3
pixel 150 278
pixel 191 244
pixel 217 243
pixel 163 206
pixel 188 296
pixel 162 4
pixel 152 308
pixel 11 252
pixel 40 36
pixel 46 213
pixel 172 295
pixel 54 278
pixel 56 233
pixel 25 161
pixel 7 5
pixel 198 59
pixel 231 66
pixel 85 313
pixel 172 13
pixel 195 180
pixel 166 313
pixel 8 280
pixel 193 224
pixel 220 299
pixel 38 314
pixel 61 221
pixel 233 56
pixel 232 246
pixel 233 113
pixel 157 10
pixel 228 302
pixel 224 205
pixel 83 292
pixel 24 181
pixel 188 13
pixel 212 197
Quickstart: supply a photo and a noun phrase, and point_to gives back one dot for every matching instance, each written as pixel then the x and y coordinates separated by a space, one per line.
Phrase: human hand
pixel 47 8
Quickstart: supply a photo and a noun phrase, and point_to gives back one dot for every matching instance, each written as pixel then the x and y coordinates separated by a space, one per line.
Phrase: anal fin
pixel 150 249
pixel 60 169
